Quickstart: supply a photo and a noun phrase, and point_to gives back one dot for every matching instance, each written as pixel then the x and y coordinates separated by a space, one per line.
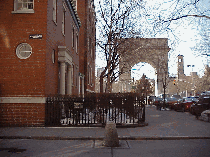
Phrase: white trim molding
pixel 64 55
pixel 88 90
pixel 11 100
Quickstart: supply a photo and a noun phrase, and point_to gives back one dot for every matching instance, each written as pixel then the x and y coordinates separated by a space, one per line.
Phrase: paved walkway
pixel 161 125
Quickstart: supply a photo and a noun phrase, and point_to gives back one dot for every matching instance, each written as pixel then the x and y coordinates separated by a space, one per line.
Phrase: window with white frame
pixel 91 50
pixel 23 6
pixel 63 23
pixel 72 75
pixel 91 77
pixel 89 70
pixel 63 20
pixel 77 76
pixel 88 74
pixel 55 11
pixel 77 43
pixel 73 37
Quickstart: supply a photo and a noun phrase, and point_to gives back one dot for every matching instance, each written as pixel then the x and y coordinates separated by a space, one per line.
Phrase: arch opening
pixel 144 68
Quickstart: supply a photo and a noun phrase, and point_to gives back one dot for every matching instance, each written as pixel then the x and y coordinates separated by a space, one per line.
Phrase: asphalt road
pixel 171 123
pixel 161 124
pixel 145 148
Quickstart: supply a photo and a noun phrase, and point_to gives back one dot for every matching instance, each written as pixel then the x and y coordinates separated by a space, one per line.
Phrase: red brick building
pixel 87 36
pixel 39 56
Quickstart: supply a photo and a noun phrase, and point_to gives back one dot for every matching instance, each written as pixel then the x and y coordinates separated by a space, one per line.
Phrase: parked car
pixel 202 105
pixel 205 115
pixel 184 104
pixel 157 101
pixel 172 101
pixel 166 102
pixel 176 96
pixel 151 100
pixel 177 105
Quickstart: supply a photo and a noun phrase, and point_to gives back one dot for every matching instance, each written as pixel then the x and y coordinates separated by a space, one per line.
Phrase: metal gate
pixel 95 109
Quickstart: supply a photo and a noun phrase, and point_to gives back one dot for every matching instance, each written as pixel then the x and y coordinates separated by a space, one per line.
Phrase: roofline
pixel 74 13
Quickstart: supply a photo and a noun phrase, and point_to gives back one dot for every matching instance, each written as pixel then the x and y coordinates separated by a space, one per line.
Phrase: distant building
pixel 185 85
pixel 97 83
pixel 99 71
pixel 180 66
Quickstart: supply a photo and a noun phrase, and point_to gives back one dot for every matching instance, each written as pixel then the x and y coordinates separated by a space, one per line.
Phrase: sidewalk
pixel 51 133
pixel 161 125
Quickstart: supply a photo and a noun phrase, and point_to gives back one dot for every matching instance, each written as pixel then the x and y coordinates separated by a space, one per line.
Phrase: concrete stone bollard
pixel 111 136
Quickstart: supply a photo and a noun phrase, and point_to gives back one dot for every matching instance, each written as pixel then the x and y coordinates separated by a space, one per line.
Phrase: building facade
pixel 87 35
pixel 39 56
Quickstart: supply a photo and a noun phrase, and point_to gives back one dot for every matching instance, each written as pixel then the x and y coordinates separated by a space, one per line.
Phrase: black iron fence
pixel 122 108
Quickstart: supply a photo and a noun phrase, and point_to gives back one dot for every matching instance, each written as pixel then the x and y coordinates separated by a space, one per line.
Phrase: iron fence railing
pixel 122 108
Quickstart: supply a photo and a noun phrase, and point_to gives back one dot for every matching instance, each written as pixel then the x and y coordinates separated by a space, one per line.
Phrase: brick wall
pixel 37 75
pixel 54 39
pixel 22 114
pixel 87 41
pixel 22 76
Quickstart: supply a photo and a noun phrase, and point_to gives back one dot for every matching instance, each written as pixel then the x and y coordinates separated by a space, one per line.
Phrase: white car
pixel 205 115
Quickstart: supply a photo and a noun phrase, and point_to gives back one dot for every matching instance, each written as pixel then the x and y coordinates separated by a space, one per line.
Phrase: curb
pixel 101 138
pixel 126 125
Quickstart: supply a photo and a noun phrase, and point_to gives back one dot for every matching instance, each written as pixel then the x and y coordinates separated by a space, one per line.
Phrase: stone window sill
pixel 23 12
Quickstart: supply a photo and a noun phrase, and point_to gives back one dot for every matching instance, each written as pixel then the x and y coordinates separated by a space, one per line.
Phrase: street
pixel 163 124
pixel 135 148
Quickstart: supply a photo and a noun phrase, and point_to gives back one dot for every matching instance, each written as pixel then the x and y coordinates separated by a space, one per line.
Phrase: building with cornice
pixel 87 44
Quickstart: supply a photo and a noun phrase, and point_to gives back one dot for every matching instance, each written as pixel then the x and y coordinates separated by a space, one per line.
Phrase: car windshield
pixel 194 99
pixel 176 96
pixel 188 99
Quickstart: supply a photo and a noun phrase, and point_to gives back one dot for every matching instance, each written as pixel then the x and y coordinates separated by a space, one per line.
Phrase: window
pixel 53 56
pixel 63 21
pixel 77 43
pixel 23 6
pixel 73 37
pixel 77 76
pixel 72 75
pixel 89 77
pixel 55 11
pixel 23 51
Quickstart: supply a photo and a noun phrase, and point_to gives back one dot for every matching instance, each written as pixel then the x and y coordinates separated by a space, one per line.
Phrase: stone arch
pixel 153 51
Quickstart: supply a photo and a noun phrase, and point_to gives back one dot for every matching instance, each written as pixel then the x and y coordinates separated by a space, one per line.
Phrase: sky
pixel 185 38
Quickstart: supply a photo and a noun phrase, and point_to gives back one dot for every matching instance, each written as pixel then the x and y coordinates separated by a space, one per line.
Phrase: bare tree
pixel 177 12
pixel 113 24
